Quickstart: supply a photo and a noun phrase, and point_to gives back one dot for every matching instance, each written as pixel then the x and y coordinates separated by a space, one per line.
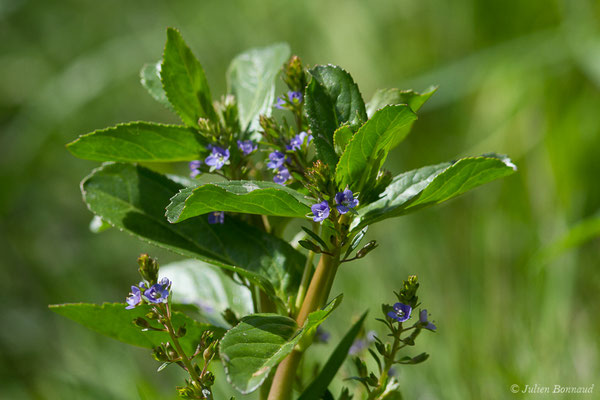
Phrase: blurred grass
pixel 517 77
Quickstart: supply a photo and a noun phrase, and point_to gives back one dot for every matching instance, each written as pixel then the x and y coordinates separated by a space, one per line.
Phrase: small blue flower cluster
pixel 293 98
pixel 344 202
pixel 157 293
pixel 402 313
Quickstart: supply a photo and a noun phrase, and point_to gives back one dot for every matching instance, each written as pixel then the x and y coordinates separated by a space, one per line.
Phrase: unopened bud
pixel 148 268
pixel 141 323
pixel 367 248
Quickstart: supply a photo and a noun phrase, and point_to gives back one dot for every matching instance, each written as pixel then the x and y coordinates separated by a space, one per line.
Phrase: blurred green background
pixel 509 272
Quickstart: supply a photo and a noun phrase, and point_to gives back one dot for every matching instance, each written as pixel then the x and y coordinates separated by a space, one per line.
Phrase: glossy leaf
pixel 140 142
pixel 413 99
pixel 434 184
pixel 331 100
pixel 384 97
pixel 319 385
pixel 150 79
pixel 133 198
pixel 261 341
pixel 184 81
pixel 113 320
pixel 209 288
pixel 251 78
pixel 368 148
pixel 249 197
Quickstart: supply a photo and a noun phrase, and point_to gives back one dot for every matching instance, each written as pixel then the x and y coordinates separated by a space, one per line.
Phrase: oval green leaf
pixel 434 184
pixel 368 148
pixel 261 341
pixel 140 142
pixel 249 197
pixel 184 81
pixel 251 79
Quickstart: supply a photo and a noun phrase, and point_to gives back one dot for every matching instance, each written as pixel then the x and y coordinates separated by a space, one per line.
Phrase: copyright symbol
pixel 514 388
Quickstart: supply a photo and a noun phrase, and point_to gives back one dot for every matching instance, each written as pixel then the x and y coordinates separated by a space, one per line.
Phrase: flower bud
pixel 148 268
pixel 294 75
pixel 367 248
pixel 181 331
pixel 160 354
pixel 230 317
pixel 141 323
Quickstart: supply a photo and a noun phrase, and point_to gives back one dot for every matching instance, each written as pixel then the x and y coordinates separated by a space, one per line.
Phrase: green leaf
pixel 341 138
pixel 208 287
pixel 332 99
pixel 184 81
pixel 249 197
pixel 133 199
pixel 261 341
pixel 369 147
pixel 413 99
pixel 319 385
pixel 251 78
pixel 434 184
pixel 140 142
pixel 384 97
pixel 150 79
pixel 113 320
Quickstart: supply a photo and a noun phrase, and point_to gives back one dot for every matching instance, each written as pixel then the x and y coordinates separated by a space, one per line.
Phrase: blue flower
pixel 216 217
pixel 282 176
pixel 280 103
pixel 424 322
pixel 361 344
pixel 345 201
pixel 295 96
pixel 276 160
pixel 320 211
pixel 247 146
pixel 321 335
pixel 401 312
pixel 159 292
pixel 298 140
pixel 135 297
pixel 217 158
pixel 195 168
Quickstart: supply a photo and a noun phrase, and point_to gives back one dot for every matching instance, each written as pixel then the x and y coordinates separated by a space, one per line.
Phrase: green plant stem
pixel 306 274
pixel 317 294
pixel 186 361
pixel 389 361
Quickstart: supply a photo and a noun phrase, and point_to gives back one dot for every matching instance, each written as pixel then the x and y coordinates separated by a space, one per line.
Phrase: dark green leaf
pixel 331 100
pixel 251 78
pixel 308 245
pixel 184 81
pixel 113 320
pixel 208 287
pixel 140 142
pixel 434 184
pixel 259 342
pixel 249 197
pixel 150 79
pixel 384 97
pixel 317 387
pixel 133 198
pixel 369 147
pixel 316 237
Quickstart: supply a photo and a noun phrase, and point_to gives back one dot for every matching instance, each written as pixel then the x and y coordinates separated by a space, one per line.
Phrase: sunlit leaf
pixel 250 197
